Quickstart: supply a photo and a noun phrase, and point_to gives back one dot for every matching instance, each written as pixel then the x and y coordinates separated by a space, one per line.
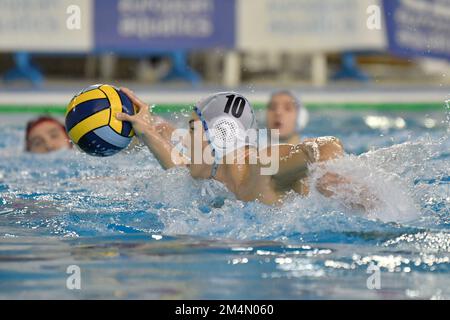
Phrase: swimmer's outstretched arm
pixel 360 197
pixel 148 130
pixel 293 163
pixel 294 160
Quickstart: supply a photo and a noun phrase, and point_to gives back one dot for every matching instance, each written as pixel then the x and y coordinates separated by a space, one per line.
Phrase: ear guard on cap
pixel 226 134
pixel 302 118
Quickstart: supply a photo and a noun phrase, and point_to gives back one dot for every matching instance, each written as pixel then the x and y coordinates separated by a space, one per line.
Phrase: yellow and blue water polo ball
pixel 91 123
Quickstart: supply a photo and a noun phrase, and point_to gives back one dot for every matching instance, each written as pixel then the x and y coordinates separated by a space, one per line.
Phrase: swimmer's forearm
pixel 294 165
pixel 162 149
pixel 165 128
pixel 358 195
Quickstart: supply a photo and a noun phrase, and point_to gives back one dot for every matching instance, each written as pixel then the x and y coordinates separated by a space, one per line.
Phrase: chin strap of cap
pixel 215 164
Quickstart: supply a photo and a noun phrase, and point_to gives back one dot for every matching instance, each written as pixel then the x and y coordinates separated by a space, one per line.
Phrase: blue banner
pixel 159 25
pixel 418 27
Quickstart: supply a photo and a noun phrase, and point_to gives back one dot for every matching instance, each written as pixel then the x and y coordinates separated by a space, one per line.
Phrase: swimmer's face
pixel 46 137
pixel 198 147
pixel 282 115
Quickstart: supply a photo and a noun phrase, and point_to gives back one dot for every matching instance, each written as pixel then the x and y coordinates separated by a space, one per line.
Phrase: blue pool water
pixel 136 231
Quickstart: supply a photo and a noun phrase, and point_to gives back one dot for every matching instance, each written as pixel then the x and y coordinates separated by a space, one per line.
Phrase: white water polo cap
pixel 227 118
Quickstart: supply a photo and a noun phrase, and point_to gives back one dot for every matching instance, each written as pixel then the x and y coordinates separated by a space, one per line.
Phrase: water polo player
pixel 286 114
pixel 243 178
pixel 45 134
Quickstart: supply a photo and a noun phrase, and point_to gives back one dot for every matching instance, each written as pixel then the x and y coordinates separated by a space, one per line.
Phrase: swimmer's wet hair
pixel 297 102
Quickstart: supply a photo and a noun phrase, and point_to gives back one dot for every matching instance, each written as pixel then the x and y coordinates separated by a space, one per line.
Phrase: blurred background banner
pixel 45 25
pixel 307 25
pixel 225 42
pixel 133 25
pixel 418 27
